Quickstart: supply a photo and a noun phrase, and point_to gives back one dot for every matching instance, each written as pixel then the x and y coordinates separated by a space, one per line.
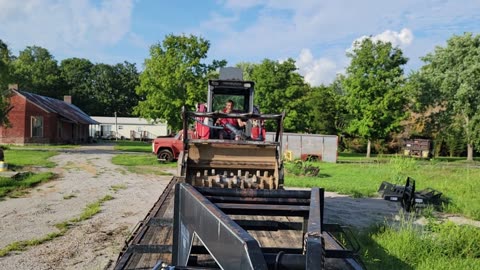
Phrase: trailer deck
pixel 281 227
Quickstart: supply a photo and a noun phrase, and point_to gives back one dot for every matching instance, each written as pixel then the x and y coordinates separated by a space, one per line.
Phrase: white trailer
pixel 127 128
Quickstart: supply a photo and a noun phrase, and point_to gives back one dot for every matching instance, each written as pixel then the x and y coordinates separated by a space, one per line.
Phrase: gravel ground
pixel 86 175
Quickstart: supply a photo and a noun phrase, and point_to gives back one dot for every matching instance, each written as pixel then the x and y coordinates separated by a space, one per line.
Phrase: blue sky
pixel 315 33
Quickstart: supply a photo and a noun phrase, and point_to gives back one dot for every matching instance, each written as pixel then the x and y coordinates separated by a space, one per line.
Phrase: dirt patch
pixel 86 175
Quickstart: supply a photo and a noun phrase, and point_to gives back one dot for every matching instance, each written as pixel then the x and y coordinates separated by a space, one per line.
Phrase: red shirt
pixel 231 121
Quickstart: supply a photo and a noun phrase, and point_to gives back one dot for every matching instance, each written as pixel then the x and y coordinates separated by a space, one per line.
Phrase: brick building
pixel 39 119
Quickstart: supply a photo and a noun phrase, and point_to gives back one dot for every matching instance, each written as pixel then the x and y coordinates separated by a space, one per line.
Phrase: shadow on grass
pixel 364 217
pixel 375 256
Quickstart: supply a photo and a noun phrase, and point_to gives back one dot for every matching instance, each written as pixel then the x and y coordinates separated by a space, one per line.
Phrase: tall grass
pixel 435 246
pixel 459 184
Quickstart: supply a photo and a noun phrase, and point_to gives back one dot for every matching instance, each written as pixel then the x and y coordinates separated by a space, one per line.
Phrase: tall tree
pixel 375 99
pixel 278 88
pixel 5 62
pixel 323 113
pixel 5 65
pixel 112 89
pixel 174 76
pixel 76 73
pixel 454 71
pixel 247 69
pixel 36 70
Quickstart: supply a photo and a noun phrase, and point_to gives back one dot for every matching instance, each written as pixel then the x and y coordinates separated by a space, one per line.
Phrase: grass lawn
pixel 435 246
pixel 405 246
pixel 17 159
pixel 133 146
pixel 17 186
pixel 143 164
pixel 460 185
pixel 43 146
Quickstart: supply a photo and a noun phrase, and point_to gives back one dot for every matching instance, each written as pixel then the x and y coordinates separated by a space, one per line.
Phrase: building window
pixel 37 126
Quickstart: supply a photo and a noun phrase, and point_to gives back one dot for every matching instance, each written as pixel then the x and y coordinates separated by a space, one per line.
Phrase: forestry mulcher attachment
pixel 230 209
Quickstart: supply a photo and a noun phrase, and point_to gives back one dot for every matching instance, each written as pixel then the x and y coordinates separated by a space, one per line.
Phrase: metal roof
pixel 66 110
pixel 126 121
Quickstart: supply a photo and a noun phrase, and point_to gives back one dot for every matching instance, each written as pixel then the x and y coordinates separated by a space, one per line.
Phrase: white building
pixel 127 128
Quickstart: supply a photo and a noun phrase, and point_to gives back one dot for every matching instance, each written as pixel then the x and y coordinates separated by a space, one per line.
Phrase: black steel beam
pixel 281 258
pixel 202 250
pixel 252 200
pixel 255 193
pixel 264 209
pixel 235 115
pixel 151 248
pixel 267 225
pixel 283 261
pixel 339 253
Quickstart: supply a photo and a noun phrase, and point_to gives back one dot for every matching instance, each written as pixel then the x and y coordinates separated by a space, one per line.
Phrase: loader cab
pixel 220 91
pixel 241 92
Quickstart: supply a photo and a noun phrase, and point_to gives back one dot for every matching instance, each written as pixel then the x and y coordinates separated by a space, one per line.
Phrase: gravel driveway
pixel 86 175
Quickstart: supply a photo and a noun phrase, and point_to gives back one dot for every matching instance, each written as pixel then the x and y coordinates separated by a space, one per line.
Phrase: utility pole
pixel 116 127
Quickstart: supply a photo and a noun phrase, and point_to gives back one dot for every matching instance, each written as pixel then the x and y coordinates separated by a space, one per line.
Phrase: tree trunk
pixel 369 144
pixel 469 152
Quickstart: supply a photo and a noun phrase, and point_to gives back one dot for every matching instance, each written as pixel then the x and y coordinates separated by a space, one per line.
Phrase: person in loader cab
pixel 237 123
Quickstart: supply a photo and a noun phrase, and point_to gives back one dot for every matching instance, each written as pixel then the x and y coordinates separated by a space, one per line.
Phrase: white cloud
pixel 316 71
pixel 281 28
pixel 401 39
pixel 65 26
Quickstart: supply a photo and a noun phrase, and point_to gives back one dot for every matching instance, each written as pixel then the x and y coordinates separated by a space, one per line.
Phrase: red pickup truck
pixel 168 148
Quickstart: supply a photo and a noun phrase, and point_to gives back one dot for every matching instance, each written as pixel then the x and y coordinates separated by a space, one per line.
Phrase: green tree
pixel 36 70
pixel 76 73
pixel 112 89
pixel 374 99
pixel 278 88
pixel 5 65
pixel 247 69
pixel 174 76
pixel 5 107
pixel 454 72
pixel 5 62
pixel 323 114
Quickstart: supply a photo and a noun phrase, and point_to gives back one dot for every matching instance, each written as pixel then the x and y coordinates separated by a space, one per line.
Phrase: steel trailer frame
pixel 202 216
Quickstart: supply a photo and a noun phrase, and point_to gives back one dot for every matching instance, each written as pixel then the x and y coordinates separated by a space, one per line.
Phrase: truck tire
pixel 165 155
